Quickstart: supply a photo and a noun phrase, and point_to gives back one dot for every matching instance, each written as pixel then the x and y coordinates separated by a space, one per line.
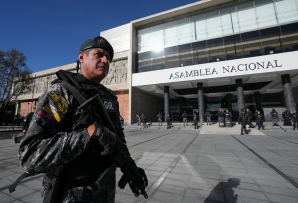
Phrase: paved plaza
pixel 185 165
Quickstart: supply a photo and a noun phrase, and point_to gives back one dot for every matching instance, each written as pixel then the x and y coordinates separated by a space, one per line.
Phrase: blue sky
pixel 50 32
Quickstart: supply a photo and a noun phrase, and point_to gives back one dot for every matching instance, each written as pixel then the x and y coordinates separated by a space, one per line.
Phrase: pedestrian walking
pixel 294 119
pixel 184 116
pixel 242 120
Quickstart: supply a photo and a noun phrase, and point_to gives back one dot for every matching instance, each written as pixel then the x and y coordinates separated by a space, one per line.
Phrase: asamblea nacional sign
pixel 238 67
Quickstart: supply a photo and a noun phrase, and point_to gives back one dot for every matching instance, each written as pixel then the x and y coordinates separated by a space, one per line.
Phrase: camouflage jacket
pixel 57 136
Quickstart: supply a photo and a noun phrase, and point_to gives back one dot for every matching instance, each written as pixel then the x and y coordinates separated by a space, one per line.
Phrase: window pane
pixel 144 39
pixel 233 47
pixel 265 13
pixel 200 52
pixel 286 10
pixel 247 16
pixel 184 31
pixel 251 44
pixel 170 30
pixel 171 61
pixel 186 59
pixel 158 63
pixel 271 40
pixel 199 26
pixel 290 37
pixel 216 50
pixel 229 20
pixel 157 37
pixel 213 24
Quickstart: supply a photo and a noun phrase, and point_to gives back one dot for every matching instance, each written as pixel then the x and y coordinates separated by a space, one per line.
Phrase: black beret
pixel 98 42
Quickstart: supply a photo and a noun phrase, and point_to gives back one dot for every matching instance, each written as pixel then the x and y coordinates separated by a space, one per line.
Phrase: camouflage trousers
pixel 91 193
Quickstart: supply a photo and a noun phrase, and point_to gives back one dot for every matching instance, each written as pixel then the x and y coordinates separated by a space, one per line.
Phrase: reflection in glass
pixel 229 20
pixel 286 10
pixel 265 13
pixel 271 43
pixel 290 37
pixel 216 50
pixel 213 24
pixel 247 16
pixel 233 47
pixel 200 52
pixel 251 44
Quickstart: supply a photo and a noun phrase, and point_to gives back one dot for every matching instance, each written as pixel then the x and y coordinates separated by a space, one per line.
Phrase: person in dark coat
pixel 294 119
pixel 249 117
pixel 274 117
pixel 143 119
pixel 286 116
pixel 260 121
pixel 169 122
pixel 195 121
pixel 242 120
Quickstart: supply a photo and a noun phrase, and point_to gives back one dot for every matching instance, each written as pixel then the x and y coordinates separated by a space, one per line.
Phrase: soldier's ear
pixel 81 56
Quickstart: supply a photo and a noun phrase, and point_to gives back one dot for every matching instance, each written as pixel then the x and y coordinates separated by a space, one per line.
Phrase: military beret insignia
pixel 101 41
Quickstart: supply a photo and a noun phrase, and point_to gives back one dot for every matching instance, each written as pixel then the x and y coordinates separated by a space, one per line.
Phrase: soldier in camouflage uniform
pixel 60 136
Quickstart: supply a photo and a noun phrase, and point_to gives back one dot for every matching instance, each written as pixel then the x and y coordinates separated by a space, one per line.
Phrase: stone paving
pixel 186 165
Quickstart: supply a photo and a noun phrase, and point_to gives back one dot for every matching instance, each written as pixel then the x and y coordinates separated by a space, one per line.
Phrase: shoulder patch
pixel 108 104
pixel 60 103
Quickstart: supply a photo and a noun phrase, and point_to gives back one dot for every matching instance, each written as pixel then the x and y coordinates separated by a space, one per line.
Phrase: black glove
pixel 143 176
pixel 105 138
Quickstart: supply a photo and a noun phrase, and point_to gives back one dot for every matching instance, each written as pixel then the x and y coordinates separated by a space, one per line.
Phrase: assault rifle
pixel 132 174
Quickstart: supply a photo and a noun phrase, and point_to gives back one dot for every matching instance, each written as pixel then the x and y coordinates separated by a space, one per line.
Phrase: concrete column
pixel 240 95
pixel 258 100
pixel 229 102
pixel 201 105
pixel 288 92
pixel 166 101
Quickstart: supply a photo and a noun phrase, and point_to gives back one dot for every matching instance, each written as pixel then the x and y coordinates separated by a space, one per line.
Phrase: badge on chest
pixel 108 104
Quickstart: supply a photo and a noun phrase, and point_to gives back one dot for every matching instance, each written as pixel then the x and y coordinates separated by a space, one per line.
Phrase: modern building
pixel 211 54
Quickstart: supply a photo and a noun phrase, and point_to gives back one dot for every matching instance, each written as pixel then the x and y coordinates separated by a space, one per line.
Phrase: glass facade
pixel 248 29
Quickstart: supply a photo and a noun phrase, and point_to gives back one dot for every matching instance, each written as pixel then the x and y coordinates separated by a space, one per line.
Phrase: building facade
pixel 212 54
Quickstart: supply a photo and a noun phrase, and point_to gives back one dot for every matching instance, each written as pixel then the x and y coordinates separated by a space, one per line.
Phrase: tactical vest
pixel 89 163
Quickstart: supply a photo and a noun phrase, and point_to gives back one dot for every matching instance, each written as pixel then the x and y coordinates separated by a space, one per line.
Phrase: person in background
pixel 294 119
pixel 195 121
pixel 249 117
pixel 169 122
pixel 242 121
pixel 260 121
pixel 27 120
pixel 138 119
pixel 184 116
pixel 159 119
pixel 208 117
pixel 143 119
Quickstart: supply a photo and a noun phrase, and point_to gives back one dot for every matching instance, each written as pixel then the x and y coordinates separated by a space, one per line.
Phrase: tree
pixel 15 76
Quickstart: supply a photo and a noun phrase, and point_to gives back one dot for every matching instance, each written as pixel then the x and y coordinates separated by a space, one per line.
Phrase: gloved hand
pixel 105 138
pixel 126 170
pixel 143 176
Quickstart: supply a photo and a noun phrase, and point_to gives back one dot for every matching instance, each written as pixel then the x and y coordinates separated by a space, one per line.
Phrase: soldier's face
pixel 94 65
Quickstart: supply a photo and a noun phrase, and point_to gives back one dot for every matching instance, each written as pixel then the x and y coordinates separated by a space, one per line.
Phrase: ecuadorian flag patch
pixel 49 112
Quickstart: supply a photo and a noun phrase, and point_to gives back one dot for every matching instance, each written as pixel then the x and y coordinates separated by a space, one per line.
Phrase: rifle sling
pixel 14 185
